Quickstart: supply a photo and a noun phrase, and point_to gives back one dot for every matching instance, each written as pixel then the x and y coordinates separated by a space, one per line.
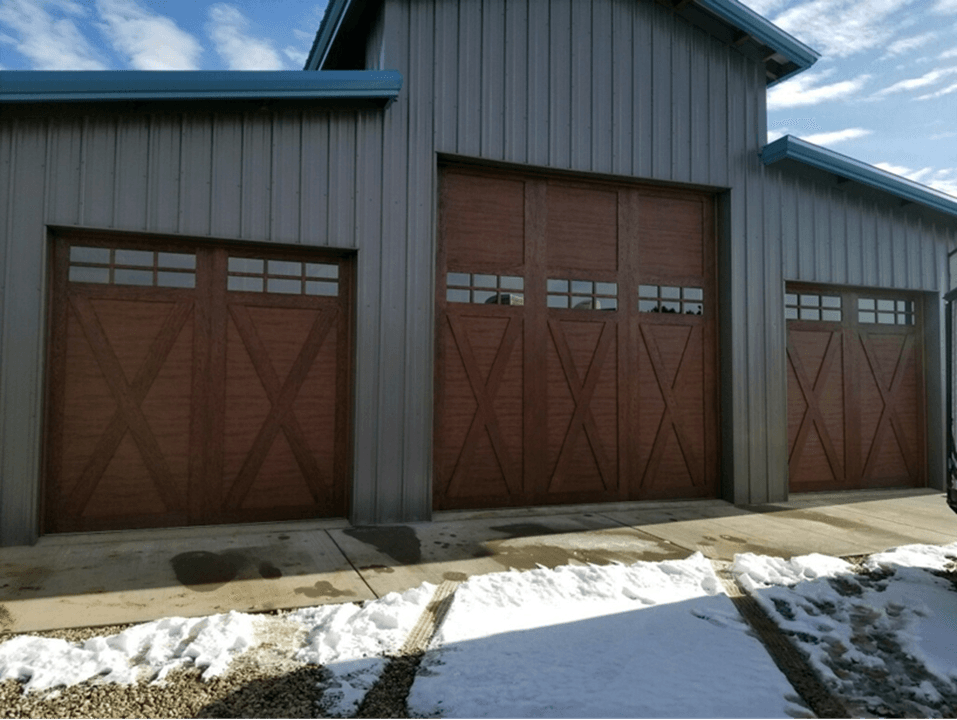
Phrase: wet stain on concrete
pixel 205 571
pixel 269 571
pixel 734 539
pixel 282 537
pixel 522 530
pixel 399 542
pixel 6 619
pixel 455 576
pixel 378 568
pixel 323 589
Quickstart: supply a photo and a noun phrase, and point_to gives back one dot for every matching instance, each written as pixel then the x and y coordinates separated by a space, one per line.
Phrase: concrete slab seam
pixel 351 564
pixel 783 652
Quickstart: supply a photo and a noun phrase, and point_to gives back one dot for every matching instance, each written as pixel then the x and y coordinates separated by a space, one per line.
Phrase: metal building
pixel 480 253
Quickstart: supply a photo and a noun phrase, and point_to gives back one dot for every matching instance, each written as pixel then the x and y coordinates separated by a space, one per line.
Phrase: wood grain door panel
pixel 174 400
pixel 589 383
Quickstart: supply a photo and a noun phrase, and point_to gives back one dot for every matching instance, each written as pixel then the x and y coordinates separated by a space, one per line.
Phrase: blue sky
pixel 884 90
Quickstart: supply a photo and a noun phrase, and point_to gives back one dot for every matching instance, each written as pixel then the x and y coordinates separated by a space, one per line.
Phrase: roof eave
pixel 800 57
pixel 792 148
pixel 332 19
pixel 21 86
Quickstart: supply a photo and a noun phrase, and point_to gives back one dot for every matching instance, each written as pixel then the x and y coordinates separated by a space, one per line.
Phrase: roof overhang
pixel 378 87
pixel 792 148
pixel 728 20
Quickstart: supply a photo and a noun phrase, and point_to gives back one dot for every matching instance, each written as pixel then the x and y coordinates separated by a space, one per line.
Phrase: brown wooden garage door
pixel 575 342
pixel 195 384
pixel 855 389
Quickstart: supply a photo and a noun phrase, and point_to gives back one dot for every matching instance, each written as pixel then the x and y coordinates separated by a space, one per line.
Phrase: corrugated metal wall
pixel 618 87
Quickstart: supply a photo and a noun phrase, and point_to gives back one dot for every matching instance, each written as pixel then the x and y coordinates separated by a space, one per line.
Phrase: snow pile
pixel 150 650
pixel 884 640
pixel 350 641
pixel 649 639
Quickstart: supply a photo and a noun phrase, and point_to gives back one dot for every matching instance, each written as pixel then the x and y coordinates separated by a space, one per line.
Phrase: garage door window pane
pixel 484 288
pixel 123 276
pixel 582 294
pixel 89 274
pixel 127 266
pixel 671 299
pixel 813 307
pixel 884 311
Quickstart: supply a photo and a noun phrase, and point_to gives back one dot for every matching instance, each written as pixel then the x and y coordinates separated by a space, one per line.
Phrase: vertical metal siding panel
pixel 99 154
pixel 804 232
pixel 445 74
pixel 493 79
pixel 581 86
pixel 469 81
pixel 342 181
pixel 775 345
pixel 910 247
pixel 63 205
pixel 885 257
pixel 661 101
pixel 133 147
pixel 195 176
pixel 643 101
pixel 539 83
pixel 837 232
pixel 21 336
pixel 7 183
pixel 226 164
pixel 559 83
pixel 256 180
pixel 718 97
pixel 820 204
pixel 420 239
pixel 681 84
pixel 623 89
pixel 163 173
pixel 738 318
pixel 761 427
pixel 701 109
pixel 790 225
pixel 855 247
pixel 869 249
pixel 393 335
pixel 317 164
pixel 603 88
pixel 287 180
pixel 516 83
pixel 368 353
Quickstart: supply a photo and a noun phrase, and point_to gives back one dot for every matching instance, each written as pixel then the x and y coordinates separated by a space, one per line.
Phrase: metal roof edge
pixel 328 29
pixel 106 85
pixel 764 30
pixel 792 148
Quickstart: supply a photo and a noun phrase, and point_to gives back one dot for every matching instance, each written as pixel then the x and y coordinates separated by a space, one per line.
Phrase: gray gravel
pixel 265 682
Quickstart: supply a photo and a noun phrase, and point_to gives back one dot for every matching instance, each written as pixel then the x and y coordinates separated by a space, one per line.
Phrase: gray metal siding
pixel 620 87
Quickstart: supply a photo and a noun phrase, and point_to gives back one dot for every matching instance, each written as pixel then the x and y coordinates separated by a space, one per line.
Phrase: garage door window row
pixel 286 277
pixel 814 307
pixel 582 294
pixel 483 288
pixel 885 312
pixel 670 299
pixel 125 266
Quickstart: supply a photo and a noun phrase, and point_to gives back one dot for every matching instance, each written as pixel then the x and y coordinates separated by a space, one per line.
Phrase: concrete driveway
pixel 92 579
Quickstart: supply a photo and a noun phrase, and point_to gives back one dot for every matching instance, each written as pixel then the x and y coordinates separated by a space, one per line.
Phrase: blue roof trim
pixel 328 28
pixel 792 148
pixel 765 31
pixel 17 86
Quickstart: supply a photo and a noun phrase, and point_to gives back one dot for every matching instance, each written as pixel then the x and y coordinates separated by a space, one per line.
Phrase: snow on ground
pixel 884 639
pixel 646 640
pixel 649 639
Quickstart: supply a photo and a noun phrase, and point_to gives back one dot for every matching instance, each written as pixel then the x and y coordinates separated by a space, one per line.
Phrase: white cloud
pixel 943 135
pixel 49 42
pixel 944 180
pixel 940 93
pixel 948 54
pixel 839 28
pixel 804 90
pixel 899 47
pixel 149 41
pixel 945 7
pixel 838 136
pixel 228 28
pixel 297 55
pixel 924 80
